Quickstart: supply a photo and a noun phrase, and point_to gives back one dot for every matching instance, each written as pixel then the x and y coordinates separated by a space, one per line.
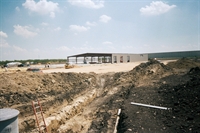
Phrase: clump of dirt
pixel 184 63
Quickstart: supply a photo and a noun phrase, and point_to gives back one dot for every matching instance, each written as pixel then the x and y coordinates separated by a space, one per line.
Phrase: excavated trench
pixel 96 108
pixel 78 115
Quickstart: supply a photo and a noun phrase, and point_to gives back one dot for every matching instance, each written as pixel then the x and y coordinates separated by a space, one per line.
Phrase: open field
pixel 86 99
pixel 97 68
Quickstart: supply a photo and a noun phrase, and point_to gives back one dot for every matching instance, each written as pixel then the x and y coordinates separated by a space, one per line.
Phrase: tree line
pixel 36 61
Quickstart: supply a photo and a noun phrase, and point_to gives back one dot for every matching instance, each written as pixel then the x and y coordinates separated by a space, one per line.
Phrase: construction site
pixel 142 97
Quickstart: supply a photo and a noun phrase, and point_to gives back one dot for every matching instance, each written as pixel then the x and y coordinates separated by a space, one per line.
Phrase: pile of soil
pixel 175 86
pixel 19 89
pixel 184 99
pixel 184 63
pixel 154 83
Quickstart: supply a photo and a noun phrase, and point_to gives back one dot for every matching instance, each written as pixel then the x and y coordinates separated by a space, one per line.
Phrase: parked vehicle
pixel 34 70
pixel 23 65
pixel 13 64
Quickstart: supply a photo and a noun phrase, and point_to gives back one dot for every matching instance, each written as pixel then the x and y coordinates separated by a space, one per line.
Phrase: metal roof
pixel 91 55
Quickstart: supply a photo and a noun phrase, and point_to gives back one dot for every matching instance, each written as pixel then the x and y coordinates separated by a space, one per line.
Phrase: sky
pixel 55 29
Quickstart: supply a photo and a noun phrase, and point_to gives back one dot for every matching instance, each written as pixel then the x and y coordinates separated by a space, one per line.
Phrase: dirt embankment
pixel 184 99
pixel 157 84
pixel 79 102
pixel 17 90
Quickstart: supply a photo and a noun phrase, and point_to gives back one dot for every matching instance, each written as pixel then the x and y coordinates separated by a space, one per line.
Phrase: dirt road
pixel 101 68
pixel 97 68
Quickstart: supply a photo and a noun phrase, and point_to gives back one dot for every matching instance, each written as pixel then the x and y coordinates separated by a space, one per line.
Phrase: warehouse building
pixel 93 58
pixel 123 58
pixel 174 55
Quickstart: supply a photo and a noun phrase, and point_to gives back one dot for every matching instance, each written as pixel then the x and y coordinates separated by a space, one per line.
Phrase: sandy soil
pixel 98 68
pixel 101 68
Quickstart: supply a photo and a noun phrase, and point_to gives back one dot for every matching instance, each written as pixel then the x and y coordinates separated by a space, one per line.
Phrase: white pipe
pixel 151 106
pixel 119 111
pixel 117 121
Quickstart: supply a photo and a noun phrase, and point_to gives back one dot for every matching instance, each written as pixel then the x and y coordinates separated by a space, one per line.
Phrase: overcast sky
pixel 52 29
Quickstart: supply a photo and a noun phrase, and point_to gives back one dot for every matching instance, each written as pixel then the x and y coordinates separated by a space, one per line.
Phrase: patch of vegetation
pixel 35 61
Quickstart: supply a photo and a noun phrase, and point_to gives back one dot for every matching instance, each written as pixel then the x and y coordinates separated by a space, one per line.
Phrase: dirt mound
pixel 183 63
pixel 142 73
pixel 22 87
pixel 176 91
pixel 153 68
pixel 145 71
pixel 17 90
pixel 185 103
pixel 195 71
pixel 130 83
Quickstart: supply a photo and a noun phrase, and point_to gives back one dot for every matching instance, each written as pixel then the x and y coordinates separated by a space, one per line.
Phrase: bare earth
pixel 97 68
pixel 86 99
pixel 101 68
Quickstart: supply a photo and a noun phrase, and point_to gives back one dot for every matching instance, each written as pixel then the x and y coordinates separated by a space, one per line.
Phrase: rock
pixel 53 81
pixel 29 123
pixel 129 129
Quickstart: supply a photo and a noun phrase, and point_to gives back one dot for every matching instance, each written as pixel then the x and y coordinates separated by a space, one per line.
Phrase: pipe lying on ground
pixel 151 106
pixel 117 121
